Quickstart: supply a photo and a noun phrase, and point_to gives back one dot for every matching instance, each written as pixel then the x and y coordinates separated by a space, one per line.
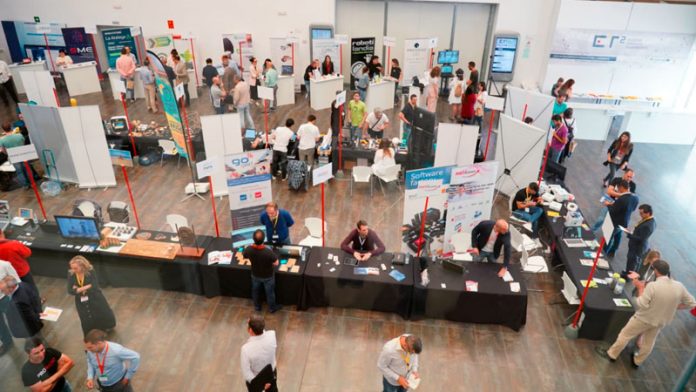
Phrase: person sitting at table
pixel 487 238
pixel 525 206
pixel 278 223
pixel 327 67
pixel 384 158
pixel 362 242
pixel 63 59
pixel 375 124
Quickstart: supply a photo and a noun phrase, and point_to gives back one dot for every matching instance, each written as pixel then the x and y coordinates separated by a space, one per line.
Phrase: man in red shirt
pixel 17 253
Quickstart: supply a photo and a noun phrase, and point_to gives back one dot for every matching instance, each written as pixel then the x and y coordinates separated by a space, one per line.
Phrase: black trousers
pixel 186 94
pixel 28 279
pixel 280 159
pixel 9 87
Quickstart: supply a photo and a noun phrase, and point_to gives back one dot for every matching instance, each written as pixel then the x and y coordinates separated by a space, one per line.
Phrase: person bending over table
pixel 278 223
pixel 375 124
pixel 525 206
pixel 487 238
pixel 263 262
pixel 362 242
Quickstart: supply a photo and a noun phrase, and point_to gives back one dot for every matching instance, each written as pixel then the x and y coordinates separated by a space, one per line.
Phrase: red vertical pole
pixel 48 50
pixel 55 94
pixel 212 201
pixel 130 132
pixel 543 165
pixel 524 112
pixel 265 119
pixel 33 186
pixel 193 57
pixel 241 63
pixel 322 215
pixel 488 138
pixel 96 57
pixel 422 229
pixel 587 285
pixel 340 137
pixel 130 194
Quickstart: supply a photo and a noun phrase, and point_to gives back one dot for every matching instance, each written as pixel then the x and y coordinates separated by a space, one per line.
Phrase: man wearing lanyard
pixel 112 364
pixel 278 223
pixel 362 242
pixel 398 363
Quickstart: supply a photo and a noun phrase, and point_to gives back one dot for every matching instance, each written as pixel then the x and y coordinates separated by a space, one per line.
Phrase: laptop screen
pixel 250 134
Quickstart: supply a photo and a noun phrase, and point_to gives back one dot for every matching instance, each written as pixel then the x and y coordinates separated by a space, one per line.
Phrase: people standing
pixel 254 78
pixel 612 193
pixel 408 116
pixel 638 239
pixel 258 352
pixel 473 73
pixel 487 239
pixel 559 138
pixel 148 78
pixel 112 365
pixel 569 122
pixel 567 89
pixel 7 85
pixel 620 213
pixel 657 303
pixel 358 113
pixel 182 77
pixel 91 305
pixel 480 104
pixel 525 206
pixel 559 105
pixel 456 91
pixel 555 87
pixel 363 83
pixel 280 137
pixel 309 75
pixel 431 91
pixel 308 136
pixel 24 309
pixel 45 368
pixel 618 154
pixel 374 67
pixel 468 103
pixel 271 81
pixel 362 242
pixel 397 76
pixel 375 124
pixel 209 72
pixel 5 335
pixel 171 75
pixel 242 99
pixel 327 67
pixel 17 254
pixel 278 223
pixel 398 361
pixel 263 262
pixel 10 139
pixel 217 96
pixel 126 68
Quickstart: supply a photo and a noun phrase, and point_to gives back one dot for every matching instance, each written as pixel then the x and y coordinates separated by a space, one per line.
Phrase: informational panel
pixel 39 87
pixel 78 44
pixel 160 45
pixel 539 106
pixel 249 187
pixel 416 58
pixel 240 46
pixel 519 150
pixel 504 55
pixel 469 198
pixel 221 137
pixel 456 144
pixel 115 40
pixel 431 183
pixel 361 50
pixel 28 39
pixel 281 55
pixel 171 109
pixel 326 47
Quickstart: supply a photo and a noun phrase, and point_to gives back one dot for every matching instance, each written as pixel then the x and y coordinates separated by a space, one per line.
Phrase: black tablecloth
pixel 603 318
pixel 342 288
pixel 353 154
pixel 234 280
pixel 493 303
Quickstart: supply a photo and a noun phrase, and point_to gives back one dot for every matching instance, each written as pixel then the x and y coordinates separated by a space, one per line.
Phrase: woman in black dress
pixel 94 311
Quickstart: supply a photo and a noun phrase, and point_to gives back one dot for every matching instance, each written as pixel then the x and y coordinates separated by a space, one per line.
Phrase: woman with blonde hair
pixel 94 311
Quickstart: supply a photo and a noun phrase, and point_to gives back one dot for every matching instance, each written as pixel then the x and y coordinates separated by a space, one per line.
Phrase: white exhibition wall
pixel 456 144
pixel 39 87
pixel 539 106
pixel 221 137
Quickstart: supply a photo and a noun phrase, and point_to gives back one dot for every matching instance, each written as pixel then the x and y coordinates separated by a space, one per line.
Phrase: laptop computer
pixel 4 214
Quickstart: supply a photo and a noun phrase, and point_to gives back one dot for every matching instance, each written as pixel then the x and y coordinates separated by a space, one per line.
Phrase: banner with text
pixel 281 55
pixel 28 39
pixel 161 45
pixel 78 44
pixel 233 44
pixel 115 40
pixel 416 52
pixel 171 109
pixel 361 49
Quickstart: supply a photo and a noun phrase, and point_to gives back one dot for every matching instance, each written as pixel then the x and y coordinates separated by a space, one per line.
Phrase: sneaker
pixel 633 361
pixel 273 177
pixel 277 308
pixel 603 353
pixel 285 178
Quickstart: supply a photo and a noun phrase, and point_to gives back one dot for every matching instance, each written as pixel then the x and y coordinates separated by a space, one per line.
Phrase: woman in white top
pixel 456 90
pixel 254 78
pixel 63 59
pixel 480 104
pixel 384 158
pixel 432 88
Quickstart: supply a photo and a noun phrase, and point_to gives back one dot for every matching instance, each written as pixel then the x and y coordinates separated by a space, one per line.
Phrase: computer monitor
pixel 504 54
pixel 77 227
pixel 447 70
pixel 245 236
pixel 448 57
pixel 250 134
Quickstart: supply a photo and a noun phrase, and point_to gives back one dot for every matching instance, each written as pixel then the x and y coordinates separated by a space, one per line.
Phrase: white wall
pixel 205 20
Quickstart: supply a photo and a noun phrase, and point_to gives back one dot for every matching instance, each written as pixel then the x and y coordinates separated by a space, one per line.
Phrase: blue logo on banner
pixel 242 197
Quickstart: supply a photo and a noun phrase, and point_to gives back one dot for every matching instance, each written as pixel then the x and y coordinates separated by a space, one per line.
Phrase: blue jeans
pixel 406 134
pixel 306 86
pixel 532 216
pixel 266 284
pixel 245 117
pixel 22 175
pixel 554 155
pixel 5 335
pixel 485 256
pixel 614 242
pixel 600 219
pixel 391 388
pixel 355 132
pixel 363 93
pixel 130 93
pixel 221 109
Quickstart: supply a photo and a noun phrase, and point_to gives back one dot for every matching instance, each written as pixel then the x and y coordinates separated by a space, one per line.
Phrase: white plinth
pixel 81 78
pixel 322 92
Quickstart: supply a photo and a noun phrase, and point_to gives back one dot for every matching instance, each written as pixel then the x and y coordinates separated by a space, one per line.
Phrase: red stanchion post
pixel 524 112
pixel 543 165
pixel 265 119
pixel 55 94
pixel 488 138
pixel 340 137
pixel 212 201
pixel 422 229
pixel 587 285
pixel 130 194
pixel 322 215
pixel 130 131
pixel 33 186
pixel 48 50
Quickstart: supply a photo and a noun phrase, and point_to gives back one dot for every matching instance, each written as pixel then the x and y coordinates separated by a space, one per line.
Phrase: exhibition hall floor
pixel 191 343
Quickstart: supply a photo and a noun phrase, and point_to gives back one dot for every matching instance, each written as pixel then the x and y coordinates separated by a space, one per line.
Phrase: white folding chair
pixel 361 174
pixel 169 149
pixel 516 239
pixel 569 291
pixel 391 174
pixel 313 226
pixel 177 221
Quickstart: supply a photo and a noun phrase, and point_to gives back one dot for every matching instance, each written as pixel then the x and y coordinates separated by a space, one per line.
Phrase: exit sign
pixel 37 19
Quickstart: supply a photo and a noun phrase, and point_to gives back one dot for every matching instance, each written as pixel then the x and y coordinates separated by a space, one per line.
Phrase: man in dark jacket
pixel 638 239
pixel 24 309
pixel 620 212
pixel 487 238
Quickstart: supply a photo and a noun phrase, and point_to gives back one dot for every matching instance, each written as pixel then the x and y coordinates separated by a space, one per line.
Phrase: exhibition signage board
pixel 322 174
pixel 341 98
pixel 28 39
pixel 161 45
pixel 416 54
pixel 326 47
pixel 22 154
pixel 171 109
pixel 420 184
pixel 469 198
pixel 115 40
pixel 207 168
pixel 78 44
pixel 121 158
pixel 361 49
pixel 281 55
pixel 248 177
pixel 265 92
pixel 233 43
pixel 341 39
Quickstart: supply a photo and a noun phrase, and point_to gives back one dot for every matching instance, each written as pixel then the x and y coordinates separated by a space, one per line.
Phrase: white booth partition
pixel 221 136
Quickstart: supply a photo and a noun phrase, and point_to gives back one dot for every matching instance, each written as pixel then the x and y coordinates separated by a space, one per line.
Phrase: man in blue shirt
pixel 278 223
pixel 110 363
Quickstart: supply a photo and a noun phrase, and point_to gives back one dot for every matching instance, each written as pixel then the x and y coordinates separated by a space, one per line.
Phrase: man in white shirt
pixel 6 269
pixel 375 124
pixel 399 361
pixel 7 84
pixel 308 135
pixel 258 352
pixel 280 138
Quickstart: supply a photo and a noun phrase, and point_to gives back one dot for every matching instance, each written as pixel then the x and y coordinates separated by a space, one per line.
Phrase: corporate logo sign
pixel 78 44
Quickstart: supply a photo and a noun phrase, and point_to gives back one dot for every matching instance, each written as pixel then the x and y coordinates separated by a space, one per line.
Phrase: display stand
pixel 456 144
pixel 323 91
pixel 40 87
pixel 81 78
pixel 521 103
pixel 189 150
pixel 380 95
pixel 17 68
pixel 286 90
pixel 221 137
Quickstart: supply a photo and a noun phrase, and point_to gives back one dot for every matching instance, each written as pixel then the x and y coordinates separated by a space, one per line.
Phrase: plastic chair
pixel 118 212
pixel 461 243
pixel 169 149
pixel 569 291
pixel 516 239
pixel 313 226
pixel 361 174
pixel 177 221
pixel 391 174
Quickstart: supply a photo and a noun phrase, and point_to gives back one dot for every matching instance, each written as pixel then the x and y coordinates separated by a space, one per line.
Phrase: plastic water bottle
pixel 618 289
pixel 614 279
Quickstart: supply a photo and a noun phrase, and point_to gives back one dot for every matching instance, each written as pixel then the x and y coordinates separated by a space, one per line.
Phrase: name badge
pixel 275 237
pixel 526 210
pixel 103 379
pixel 84 298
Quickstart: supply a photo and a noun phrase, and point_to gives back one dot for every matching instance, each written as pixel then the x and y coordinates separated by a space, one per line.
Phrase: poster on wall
pixel 326 47
pixel 78 44
pixel 239 46
pixel 27 39
pixel 416 58
pixel 248 177
pixel 429 183
pixel 115 40
pixel 469 198
pixel 281 55
pixel 160 45
pixel 361 49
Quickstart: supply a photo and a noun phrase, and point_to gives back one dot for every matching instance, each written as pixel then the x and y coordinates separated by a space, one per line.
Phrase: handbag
pixel 130 84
